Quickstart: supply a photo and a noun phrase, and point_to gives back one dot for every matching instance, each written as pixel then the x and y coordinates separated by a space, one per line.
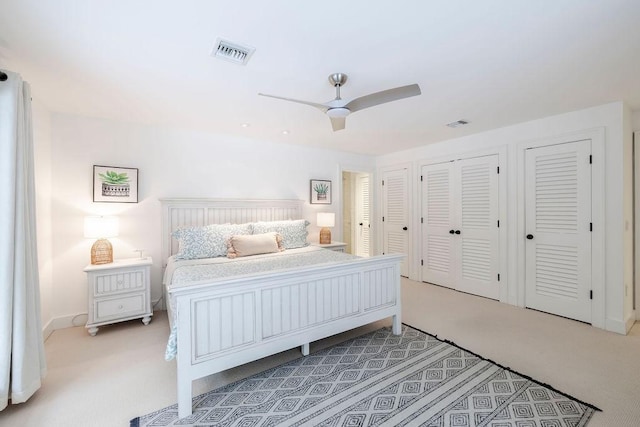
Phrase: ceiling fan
pixel 338 109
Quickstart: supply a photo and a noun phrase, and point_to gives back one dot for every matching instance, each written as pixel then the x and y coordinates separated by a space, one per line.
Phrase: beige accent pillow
pixel 254 244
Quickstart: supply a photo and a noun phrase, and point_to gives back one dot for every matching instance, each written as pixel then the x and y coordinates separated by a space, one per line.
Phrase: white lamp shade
pixel 98 227
pixel 326 219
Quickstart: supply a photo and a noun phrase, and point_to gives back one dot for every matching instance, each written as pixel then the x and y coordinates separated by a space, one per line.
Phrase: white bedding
pixel 181 273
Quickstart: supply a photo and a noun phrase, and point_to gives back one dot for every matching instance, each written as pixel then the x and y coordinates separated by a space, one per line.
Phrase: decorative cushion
pixel 294 233
pixel 254 244
pixel 209 241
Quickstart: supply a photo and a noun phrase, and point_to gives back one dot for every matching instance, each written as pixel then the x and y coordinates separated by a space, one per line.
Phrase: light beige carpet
pixel 120 373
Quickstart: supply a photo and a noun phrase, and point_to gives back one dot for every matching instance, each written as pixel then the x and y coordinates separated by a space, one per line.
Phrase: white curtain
pixel 22 359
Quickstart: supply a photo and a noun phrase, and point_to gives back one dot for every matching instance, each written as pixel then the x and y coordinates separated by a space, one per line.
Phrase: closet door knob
pixel 457 231
pixel 451 231
pixel 361 224
pixel 530 236
pixel 405 228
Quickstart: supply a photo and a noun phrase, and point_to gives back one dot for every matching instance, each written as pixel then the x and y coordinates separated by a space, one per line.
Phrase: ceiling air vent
pixel 457 123
pixel 232 52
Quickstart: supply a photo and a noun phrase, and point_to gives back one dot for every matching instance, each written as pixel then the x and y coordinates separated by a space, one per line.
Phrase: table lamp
pixel 326 220
pixel 101 227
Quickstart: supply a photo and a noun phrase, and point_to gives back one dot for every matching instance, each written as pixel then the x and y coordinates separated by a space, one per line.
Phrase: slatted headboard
pixel 198 212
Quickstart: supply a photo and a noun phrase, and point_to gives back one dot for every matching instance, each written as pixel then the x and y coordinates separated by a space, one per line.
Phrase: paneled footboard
pixel 228 323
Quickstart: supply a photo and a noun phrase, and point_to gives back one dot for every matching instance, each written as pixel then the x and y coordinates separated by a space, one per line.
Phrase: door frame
pixel 597 137
pixel 356 233
pixel 501 152
pixel 636 223
pixel 372 202
pixel 376 186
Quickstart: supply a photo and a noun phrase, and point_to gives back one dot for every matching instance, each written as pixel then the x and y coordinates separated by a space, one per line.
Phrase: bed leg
pixel 184 399
pixel 305 349
pixel 397 324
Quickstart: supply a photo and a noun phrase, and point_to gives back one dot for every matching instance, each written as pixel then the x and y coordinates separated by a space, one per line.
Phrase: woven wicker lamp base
pixel 325 236
pixel 101 252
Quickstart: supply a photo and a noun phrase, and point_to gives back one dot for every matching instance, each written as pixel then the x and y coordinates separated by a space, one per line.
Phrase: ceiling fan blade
pixel 321 107
pixel 383 97
pixel 337 123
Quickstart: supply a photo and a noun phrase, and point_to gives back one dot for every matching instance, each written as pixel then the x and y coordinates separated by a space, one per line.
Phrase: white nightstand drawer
pixel 106 309
pixel 106 284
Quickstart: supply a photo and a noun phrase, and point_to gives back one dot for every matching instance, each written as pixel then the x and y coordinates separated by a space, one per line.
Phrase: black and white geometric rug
pixel 380 379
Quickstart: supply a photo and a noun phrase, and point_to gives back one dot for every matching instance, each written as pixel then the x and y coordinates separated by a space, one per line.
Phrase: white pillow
pixel 254 244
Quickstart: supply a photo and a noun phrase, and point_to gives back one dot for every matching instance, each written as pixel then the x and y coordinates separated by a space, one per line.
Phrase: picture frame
pixel 320 192
pixel 114 184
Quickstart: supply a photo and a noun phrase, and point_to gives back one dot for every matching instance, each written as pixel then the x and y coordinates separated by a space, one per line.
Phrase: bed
pixel 223 322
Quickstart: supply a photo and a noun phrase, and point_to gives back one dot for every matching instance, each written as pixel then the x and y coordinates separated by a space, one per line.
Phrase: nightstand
pixel 119 291
pixel 334 246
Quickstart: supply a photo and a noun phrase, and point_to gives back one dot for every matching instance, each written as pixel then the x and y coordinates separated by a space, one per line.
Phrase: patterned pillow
pixel 294 233
pixel 209 241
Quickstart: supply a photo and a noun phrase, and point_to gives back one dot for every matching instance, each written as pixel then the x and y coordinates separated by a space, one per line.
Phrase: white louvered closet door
pixel 460 234
pixel 477 220
pixel 558 220
pixel 395 215
pixel 362 215
pixel 439 264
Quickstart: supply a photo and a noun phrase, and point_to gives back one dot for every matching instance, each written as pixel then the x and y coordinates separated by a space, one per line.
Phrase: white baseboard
pixel 63 322
pixel 630 321
pixel 74 320
pixel 70 321
pixel 617 326
pixel 47 330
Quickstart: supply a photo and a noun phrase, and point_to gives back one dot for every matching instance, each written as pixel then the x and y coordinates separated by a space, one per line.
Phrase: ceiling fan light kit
pixel 338 109
pixel 338 112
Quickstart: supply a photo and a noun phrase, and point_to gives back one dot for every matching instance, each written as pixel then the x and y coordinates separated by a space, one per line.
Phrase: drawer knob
pixel 120 282
pixel 120 307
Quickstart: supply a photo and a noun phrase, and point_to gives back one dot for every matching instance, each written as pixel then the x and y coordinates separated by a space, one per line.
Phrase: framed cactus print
pixel 320 192
pixel 115 184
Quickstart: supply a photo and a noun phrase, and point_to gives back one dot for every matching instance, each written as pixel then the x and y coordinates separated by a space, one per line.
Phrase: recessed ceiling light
pixel 285 132
pixel 457 123
pixel 245 125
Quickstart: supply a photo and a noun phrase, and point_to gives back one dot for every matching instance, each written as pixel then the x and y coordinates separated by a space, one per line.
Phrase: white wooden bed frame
pixel 234 321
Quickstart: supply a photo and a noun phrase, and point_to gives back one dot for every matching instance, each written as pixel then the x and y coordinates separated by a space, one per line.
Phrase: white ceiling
pixel 492 62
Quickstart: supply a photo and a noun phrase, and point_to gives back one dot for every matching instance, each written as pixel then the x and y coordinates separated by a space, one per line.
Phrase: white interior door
pixel 479 245
pixel 395 218
pixel 558 224
pixel 460 229
pixel 363 225
pixel 439 264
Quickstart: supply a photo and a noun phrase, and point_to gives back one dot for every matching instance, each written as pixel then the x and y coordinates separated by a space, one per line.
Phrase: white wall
pixel 42 164
pixel 611 117
pixel 171 163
